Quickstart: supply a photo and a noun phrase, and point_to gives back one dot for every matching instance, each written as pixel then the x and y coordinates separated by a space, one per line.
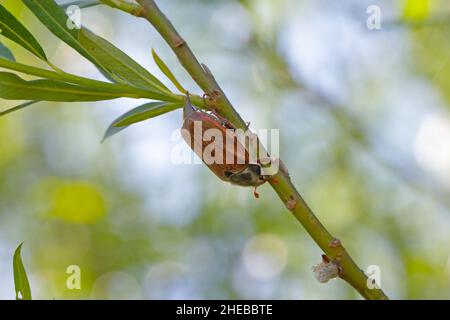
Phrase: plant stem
pixel 129 7
pixel 281 182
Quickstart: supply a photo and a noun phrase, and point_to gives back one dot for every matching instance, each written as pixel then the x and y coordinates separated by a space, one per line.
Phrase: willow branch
pixel 124 5
pixel 281 182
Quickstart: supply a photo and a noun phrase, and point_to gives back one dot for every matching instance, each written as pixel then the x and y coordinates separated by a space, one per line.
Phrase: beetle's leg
pixel 224 121
pixel 256 194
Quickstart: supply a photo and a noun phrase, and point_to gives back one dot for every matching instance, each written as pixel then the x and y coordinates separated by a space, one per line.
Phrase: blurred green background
pixel 365 130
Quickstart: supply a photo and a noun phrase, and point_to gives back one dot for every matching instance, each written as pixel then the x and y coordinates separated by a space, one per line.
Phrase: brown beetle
pixel 198 130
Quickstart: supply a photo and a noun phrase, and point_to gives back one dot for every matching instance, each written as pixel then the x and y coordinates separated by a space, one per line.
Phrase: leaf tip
pixel 19 247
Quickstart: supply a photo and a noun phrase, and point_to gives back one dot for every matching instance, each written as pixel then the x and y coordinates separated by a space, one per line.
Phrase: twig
pixel 123 5
pixel 281 182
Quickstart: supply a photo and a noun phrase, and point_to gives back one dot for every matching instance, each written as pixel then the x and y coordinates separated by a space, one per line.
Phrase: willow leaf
pixel 21 283
pixel 124 89
pixel 118 62
pixel 165 69
pixel 6 53
pixel 12 87
pixel 12 29
pixel 138 114
pixel 144 112
pixel 18 107
pixel 80 3
pixel 55 19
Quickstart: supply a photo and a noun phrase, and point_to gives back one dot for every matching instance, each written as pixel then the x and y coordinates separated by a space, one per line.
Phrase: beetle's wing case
pixel 234 151
pixel 237 161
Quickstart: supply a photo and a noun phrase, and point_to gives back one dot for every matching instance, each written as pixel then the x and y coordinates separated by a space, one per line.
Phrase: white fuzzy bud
pixel 325 271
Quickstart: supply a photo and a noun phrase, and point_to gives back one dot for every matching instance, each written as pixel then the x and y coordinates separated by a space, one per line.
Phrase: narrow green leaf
pixel 18 107
pixel 12 87
pixel 141 113
pixel 12 29
pixel 165 69
pixel 111 131
pixel 55 19
pixel 6 53
pixel 21 283
pixel 80 3
pixel 118 62
pixel 144 112
pixel 124 90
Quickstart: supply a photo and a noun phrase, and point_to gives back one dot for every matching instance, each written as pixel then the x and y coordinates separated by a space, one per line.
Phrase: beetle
pixel 240 171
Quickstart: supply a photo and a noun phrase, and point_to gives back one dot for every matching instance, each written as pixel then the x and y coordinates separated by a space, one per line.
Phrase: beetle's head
pixel 249 177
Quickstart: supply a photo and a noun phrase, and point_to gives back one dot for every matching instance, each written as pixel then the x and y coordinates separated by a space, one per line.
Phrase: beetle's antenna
pixel 188 108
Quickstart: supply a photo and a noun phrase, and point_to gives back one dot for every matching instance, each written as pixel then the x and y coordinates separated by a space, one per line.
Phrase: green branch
pixel 281 182
pixel 123 5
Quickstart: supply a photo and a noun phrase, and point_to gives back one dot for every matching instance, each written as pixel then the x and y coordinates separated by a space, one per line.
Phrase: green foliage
pixel 81 4
pixel 118 63
pixel 123 90
pixel 144 112
pixel 6 53
pixel 55 19
pixel 138 114
pixel 21 283
pixel 13 87
pixel 12 29
pixel 129 78
pixel 163 67
pixel 18 107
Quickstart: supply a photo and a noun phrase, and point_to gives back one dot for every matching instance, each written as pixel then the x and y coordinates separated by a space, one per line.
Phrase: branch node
pixel 175 40
pixel 291 203
pixel 139 12
pixel 211 99
pixel 335 243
